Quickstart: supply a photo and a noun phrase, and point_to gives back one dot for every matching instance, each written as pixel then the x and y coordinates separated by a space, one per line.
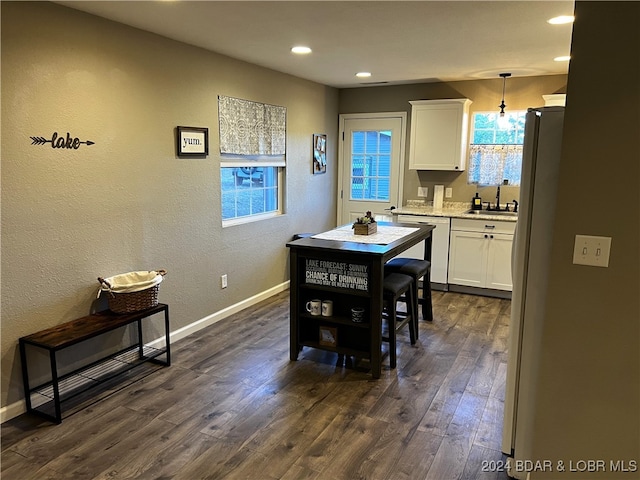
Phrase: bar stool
pixel 298 236
pixel 398 287
pixel 415 268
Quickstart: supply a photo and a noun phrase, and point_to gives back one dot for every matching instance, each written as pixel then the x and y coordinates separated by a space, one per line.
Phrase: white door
pixel 371 165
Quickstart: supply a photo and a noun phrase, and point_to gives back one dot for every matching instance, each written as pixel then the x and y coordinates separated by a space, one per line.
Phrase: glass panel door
pixel 371 167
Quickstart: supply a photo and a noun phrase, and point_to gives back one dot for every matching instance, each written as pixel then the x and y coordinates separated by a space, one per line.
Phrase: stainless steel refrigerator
pixel 530 269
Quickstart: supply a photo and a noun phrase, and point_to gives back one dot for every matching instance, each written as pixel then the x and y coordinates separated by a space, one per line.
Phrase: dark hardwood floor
pixel 233 406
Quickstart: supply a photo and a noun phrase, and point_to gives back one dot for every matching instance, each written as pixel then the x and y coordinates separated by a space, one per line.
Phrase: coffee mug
pixel 314 306
pixel 327 308
pixel 357 314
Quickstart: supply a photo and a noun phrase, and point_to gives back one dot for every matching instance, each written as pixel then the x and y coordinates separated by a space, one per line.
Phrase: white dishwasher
pixel 439 247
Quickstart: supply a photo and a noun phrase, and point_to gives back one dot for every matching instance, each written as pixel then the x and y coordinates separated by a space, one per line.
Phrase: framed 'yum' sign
pixel 192 141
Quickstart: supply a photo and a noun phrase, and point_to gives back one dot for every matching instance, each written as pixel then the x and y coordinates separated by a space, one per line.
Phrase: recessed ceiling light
pixel 564 58
pixel 363 74
pixel 300 50
pixel 561 20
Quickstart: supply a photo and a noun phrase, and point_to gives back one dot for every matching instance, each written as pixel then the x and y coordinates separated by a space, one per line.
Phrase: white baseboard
pixel 12 411
pixel 226 312
pixel 18 408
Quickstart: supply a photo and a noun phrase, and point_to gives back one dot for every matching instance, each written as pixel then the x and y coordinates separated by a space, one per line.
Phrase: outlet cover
pixel 423 192
pixel 592 251
pixel 448 192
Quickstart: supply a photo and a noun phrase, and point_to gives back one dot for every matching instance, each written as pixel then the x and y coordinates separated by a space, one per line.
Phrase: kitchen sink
pixel 500 213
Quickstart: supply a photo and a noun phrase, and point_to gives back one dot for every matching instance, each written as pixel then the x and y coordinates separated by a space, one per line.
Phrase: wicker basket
pixel 129 302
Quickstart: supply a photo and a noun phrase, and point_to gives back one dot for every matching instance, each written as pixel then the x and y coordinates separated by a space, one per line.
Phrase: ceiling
pixel 397 41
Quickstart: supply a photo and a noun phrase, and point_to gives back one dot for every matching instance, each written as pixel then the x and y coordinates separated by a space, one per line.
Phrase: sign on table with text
pixel 351 276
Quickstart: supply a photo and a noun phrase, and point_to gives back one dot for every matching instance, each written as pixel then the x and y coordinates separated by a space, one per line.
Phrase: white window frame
pixel 471 143
pixel 277 161
pixel 343 157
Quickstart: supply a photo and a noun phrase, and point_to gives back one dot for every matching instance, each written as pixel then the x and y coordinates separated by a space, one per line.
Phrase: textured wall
pixel 127 203
pixel 587 389
pixel 521 93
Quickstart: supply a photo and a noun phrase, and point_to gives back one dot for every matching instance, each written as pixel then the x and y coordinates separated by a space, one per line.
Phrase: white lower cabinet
pixel 480 253
pixel 499 262
pixel 439 246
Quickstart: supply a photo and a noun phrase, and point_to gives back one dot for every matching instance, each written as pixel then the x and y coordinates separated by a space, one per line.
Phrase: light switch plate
pixel 423 192
pixel 592 251
pixel 448 192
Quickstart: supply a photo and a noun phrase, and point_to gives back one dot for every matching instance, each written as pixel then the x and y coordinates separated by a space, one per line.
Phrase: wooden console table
pixel 359 271
pixel 50 395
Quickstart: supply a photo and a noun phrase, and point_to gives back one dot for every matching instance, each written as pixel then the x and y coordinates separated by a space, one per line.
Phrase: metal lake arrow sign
pixel 61 142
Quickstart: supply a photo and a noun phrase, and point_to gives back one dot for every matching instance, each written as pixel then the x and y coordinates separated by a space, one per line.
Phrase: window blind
pixel 251 129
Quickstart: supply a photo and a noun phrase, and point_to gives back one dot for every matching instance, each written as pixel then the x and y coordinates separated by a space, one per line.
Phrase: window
pixel 250 192
pixel 495 153
pixel 253 156
pixel 370 165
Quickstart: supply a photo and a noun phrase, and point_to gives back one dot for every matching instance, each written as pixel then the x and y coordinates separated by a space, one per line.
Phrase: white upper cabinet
pixel 439 134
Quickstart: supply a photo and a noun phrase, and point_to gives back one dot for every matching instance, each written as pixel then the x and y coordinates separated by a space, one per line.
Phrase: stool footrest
pixel 399 287
pixel 418 269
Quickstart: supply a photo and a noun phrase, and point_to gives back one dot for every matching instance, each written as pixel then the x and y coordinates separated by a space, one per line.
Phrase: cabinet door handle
pixel 489 226
pixel 486 236
pixel 490 236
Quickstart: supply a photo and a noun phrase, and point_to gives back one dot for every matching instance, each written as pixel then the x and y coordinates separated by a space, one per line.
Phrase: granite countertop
pixel 449 209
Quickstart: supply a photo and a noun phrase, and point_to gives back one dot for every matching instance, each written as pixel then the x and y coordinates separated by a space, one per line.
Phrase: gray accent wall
pixel 585 362
pixel 521 93
pixel 127 202
pixel 586 393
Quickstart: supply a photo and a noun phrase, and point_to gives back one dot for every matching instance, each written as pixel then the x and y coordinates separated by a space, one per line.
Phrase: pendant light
pixel 504 84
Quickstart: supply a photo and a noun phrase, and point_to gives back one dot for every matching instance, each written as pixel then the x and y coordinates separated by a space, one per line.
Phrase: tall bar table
pixel 337 266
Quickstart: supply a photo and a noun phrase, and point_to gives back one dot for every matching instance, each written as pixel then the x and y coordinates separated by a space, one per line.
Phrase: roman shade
pixel 251 129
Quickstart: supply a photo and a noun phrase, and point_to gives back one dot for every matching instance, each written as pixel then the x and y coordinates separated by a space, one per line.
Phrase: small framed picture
pixel 193 141
pixel 319 153
pixel 328 336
